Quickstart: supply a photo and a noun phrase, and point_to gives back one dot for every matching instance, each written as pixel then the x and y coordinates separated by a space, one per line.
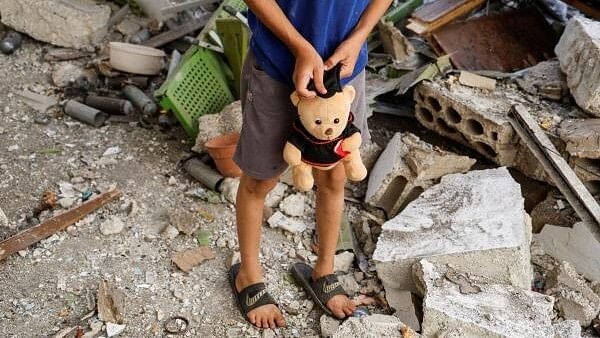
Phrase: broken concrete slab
pixel 78 24
pixel 111 303
pixel 582 137
pixel 402 302
pixel 279 220
pixel 394 42
pixel 578 51
pixel 373 326
pixel 329 326
pixel 369 153
pixel 294 205
pixel 575 245
pixel 495 310
pixel 567 329
pixel 545 79
pixel 474 221
pixel 575 299
pixel 406 168
pixel 188 259
pixel 229 120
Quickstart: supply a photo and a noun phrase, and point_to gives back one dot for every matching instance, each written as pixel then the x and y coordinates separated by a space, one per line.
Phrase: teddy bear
pixel 323 134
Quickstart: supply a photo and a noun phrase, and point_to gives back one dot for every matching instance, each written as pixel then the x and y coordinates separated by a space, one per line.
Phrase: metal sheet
pixel 504 42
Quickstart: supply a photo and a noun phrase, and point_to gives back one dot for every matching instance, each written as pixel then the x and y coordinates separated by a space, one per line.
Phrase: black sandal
pixel 250 297
pixel 320 290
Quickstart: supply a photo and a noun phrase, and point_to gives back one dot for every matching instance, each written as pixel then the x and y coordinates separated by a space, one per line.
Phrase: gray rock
pixel 112 226
pixel 229 188
pixel 170 232
pixel 113 330
pixel 567 329
pixel 349 284
pixel 78 24
pixel 545 79
pixel 279 220
pixel 294 205
pixel 229 120
pixel 275 196
pixel 343 261
pixel 373 326
pixel 329 326
pixel 402 302
pixel 3 219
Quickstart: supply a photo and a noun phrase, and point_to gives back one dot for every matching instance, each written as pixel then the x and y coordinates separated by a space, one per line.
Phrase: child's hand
pixel 346 54
pixel 309 65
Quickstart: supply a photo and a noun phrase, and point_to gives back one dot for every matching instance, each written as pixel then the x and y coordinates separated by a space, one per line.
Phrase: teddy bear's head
pixel 325 118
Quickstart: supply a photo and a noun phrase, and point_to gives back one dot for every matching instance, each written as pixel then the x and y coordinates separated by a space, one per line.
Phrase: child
pixel 294 42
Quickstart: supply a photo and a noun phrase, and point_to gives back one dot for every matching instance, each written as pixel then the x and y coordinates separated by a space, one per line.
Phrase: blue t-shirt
pixel 323 23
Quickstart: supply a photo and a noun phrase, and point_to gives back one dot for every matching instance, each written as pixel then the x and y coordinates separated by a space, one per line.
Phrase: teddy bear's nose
pixel 329 131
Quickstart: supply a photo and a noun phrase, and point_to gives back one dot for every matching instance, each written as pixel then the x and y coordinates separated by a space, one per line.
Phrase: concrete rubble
pixel 406 168
pixel 582 137
pixel 575 299
pixel 552 211
pixel 294 205
pixel 492 310
pixel 77 24
pixel 3 219
pixel 280 220
pixel 579 54
pixel 567 329
pixel 229 120
pixel 404 307
pixel 474 221
pixel 373 326
pixel 546 80
pixel 575 245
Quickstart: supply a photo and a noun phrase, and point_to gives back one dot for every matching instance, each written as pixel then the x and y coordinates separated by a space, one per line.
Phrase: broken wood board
pixel 30 236
pixel 557 168
pixel 503 42
pixel 181 31
pixel 436 14
pixel 111 303
pixel 187 260
pixel 476 81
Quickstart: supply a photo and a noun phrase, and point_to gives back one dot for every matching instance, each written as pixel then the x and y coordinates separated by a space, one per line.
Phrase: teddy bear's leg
pixel 354 167
pixel 303 178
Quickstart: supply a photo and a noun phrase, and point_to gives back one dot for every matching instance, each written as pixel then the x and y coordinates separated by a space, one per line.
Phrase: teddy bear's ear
pixel 295 98
pixel 349 92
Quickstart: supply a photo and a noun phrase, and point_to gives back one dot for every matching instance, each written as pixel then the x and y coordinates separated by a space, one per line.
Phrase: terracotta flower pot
pixel 221 149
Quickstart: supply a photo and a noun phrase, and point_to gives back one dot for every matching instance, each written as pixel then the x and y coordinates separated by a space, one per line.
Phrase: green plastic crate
pixel 199 87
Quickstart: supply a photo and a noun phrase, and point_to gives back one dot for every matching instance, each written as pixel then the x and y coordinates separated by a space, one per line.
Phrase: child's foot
pixel 340 305
pixel 265 316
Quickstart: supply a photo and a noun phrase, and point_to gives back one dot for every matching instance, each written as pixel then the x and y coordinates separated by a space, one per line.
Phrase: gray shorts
pixel 268 115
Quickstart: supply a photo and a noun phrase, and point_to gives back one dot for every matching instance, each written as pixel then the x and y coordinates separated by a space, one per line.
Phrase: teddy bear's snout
pixel 329 131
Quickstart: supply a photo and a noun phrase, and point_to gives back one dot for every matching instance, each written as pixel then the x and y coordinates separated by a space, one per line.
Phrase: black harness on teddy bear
pixel 321 153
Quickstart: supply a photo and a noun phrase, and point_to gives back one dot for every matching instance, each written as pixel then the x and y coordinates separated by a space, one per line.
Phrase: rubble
pixel 552 211
pixel 372 326
pixel 279 220
pixel 275 196
pixel 495 311
pixel 578 51
pixel 79 24
pixel 67 73
pixel 184 221
pixel 188 259
pixel 111 226
pixel 567 329
pixel 229 188
pixel 111 303
pixel 405 309
pixel 474 221
pixel 343 261
pixel 229 120
pixel 575 245
pixel 3 219
pixel 545 79
pixel 476 81
pixel 329 326
pixel 113 330
pixel 406 168
pixel 294 205
pixel 582 137
pixel 574 298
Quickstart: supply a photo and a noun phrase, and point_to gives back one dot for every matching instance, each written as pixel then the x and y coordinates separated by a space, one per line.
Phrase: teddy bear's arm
pixel 291 154
pixel 352 143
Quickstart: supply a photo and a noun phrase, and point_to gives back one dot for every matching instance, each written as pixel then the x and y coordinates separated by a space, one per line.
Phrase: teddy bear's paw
pixel 304 184
pixel 356 173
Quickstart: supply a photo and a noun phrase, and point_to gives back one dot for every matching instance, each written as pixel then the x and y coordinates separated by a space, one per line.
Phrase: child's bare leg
pixel 249 212
pixel 330 205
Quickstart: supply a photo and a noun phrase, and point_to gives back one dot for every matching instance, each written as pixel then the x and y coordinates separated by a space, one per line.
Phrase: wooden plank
pixel 30 236
pixel 181 31
pixel 435 10
pixel 557 168
pixel 462 8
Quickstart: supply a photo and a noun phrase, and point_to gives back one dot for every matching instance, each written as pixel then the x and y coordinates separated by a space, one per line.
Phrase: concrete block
pixel 567 329
pixel 406 168
pixel 575 245
pixel 80 24
pixel 474 221
pixel 374 326
pixel 485 310
pixel 229 120
pixel 545 79
pixel 575 299
pixel 578 51
pixel 402 302
pixel 582 137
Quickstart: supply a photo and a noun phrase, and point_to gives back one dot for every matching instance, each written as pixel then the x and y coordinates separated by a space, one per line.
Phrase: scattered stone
pixel 113 330
pixel 3 219
pixel 349 284
pixel 476 81
pixel 229 188
pixel 545 79
pixel 496 311
pixel 187 260
pixel 279 220
pixel 96 328
pixel 582 137
pixel 574 298
pixel 369 153
pixel 235 258
pixel 294 205
pixel 112 226
pixel 80 24
pixel 229 120
pixel 372 326
pixel 293 307
pixel 67 73
pixel 111 303
pixel 343 261
pixel 170 232
pixel 66 202
pixel 184 221
pixel 406 168
pixel 329 326
pixel 567 329
pixel 172 181
pixel 549 212
pixel 402 302
pixel 275 196
pixel 474 221
pixel 578 51
pixel 576 246
pixel 128 27
pixel 112 151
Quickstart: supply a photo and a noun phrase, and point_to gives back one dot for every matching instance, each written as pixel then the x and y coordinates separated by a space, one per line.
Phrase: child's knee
pixel 259 188
pixel 332 180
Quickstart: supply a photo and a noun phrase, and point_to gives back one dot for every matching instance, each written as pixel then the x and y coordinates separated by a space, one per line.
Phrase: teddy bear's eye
pixel 336 121
pixel 318 121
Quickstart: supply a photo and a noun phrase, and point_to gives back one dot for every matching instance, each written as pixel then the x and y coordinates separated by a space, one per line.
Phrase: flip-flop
pixel 320 290
pixel 250 297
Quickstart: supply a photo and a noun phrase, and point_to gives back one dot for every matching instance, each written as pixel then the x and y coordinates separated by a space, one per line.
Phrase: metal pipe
pixel 140 100
pixel 111 105
pixel 204 174
pixel 87 114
